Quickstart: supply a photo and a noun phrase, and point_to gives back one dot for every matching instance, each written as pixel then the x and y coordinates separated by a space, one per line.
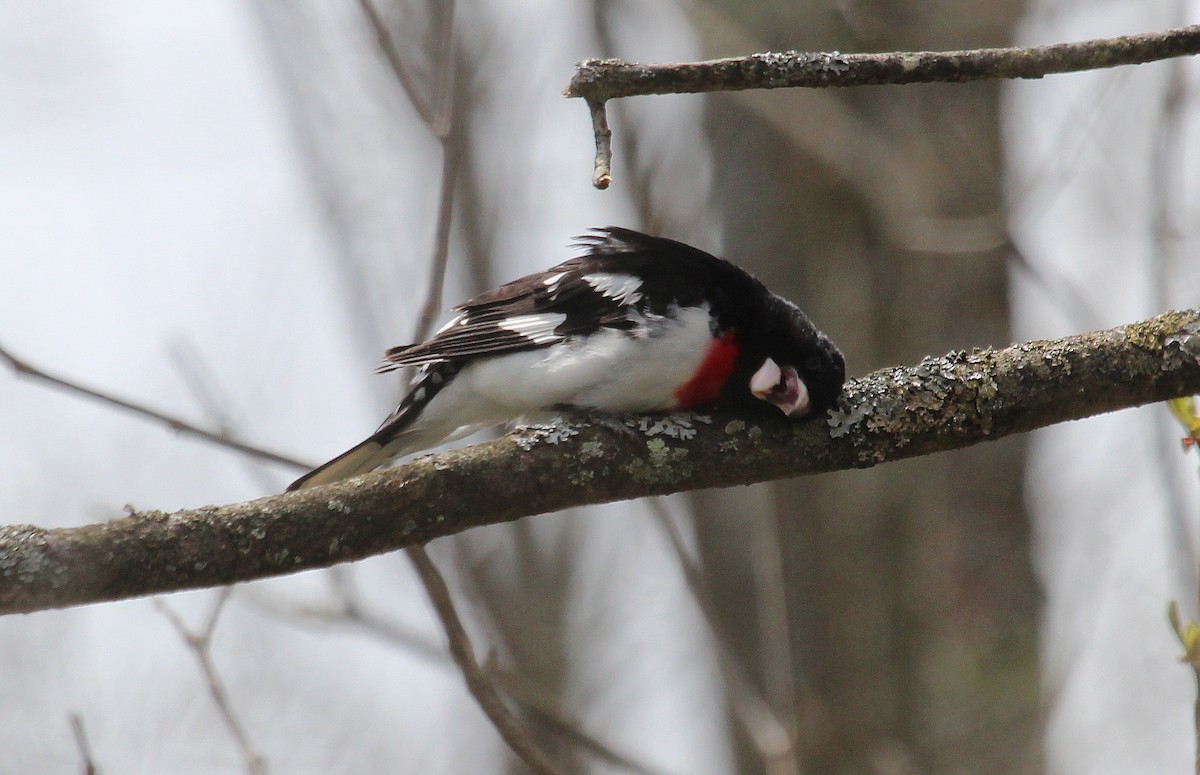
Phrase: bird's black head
pixel 783 362
pixel 801 371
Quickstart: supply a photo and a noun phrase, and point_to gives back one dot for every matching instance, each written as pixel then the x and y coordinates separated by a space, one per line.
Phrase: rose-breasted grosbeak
pixel 636 324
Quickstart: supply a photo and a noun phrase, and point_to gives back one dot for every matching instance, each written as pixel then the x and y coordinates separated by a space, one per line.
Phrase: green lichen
pixel 591 449
pixel 664 463
pixel 1150 334
pixel 581 477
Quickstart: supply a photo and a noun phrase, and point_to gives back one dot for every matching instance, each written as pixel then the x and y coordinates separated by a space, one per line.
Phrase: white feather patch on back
pixel 538 329
pixel 621 288
pixel 459 319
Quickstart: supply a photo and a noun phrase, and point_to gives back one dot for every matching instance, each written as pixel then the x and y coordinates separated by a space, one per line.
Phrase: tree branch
pixel 940 404
pixel 478 683
pixel 605 79
pixel 200 644
pixel 600 80
pixel 26 369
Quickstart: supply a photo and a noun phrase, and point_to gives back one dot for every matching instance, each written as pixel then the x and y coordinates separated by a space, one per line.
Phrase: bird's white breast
pixel 611 370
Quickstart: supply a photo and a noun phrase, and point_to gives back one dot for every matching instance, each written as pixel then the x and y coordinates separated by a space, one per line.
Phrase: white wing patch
pixel 621 288
pixel 458 320
pixel 552 284
pixel 538 329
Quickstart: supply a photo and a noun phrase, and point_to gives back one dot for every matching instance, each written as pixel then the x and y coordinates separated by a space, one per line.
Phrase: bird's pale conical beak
pixel 782 387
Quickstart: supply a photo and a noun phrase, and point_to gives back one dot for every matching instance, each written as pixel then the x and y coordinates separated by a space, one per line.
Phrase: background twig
pixel 200 643
pixel 480 686
pixel 81 743
pixel 24 368
pixel 600 80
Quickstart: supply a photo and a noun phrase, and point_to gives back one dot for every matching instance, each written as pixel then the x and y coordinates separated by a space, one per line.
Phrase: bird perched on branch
pixel 636 324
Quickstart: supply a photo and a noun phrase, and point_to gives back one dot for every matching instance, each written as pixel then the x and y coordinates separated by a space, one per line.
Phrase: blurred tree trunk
pixel 908 640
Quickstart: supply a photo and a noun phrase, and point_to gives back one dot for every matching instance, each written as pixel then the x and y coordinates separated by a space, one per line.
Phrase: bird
pixel 634 324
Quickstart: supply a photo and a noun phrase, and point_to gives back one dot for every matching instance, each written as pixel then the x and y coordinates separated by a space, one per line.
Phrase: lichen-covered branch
pixel 939 404
pixel 606 79
pixel 600 80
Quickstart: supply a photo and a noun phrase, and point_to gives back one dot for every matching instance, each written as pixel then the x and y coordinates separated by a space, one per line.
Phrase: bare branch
pixel 602 174
pixel 774 739
pixel 349 613
pixel 200 644
pixel 432 307
pixel 387 45
pixel 440 117
pixel 600 80
pixel 605 79
pixel 478 683
pixel 81 742
pixel 24 368
pixel 940 404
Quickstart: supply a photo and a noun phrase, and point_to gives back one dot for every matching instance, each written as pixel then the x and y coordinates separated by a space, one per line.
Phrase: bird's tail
pixel 400 434
pixel 359 459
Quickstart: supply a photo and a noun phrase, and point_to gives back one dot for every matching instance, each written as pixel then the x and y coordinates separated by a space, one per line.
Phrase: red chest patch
pixel 705 385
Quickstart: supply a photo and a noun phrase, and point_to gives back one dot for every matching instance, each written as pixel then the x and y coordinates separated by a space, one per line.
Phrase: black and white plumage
pixel 635 324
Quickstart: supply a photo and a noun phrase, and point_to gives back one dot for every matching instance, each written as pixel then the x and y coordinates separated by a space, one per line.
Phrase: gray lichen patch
pixel 25 557
pixel 676 426
pixel 950 393
pixel 1182 347
pixel 842 420
pixel 558 430
pixel 554 432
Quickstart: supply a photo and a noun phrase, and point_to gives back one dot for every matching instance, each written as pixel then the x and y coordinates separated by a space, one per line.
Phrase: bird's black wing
pixel 622 272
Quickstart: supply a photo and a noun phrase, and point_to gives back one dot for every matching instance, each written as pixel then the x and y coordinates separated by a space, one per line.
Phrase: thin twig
pixel 81 743
pixel 774 740
pixel 770 594
pixel 432 307
pixel 570 733
pixel 24 368
pixel 353 615
pixel 600 80
pixel 387 46
pixel 440 118
pixel 445 71
pixel 441 122
pixel 311 617
pixel 444 126
pixel 602 173
pixel 200 643
pixel 480 686
pixel 204 387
